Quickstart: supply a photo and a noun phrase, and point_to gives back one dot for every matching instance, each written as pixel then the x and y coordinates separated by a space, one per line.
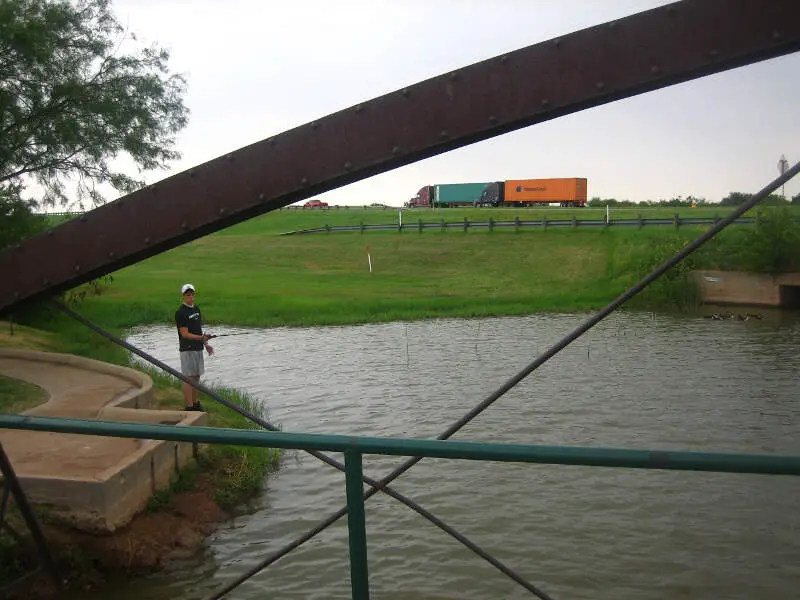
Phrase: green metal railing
pixel 354 447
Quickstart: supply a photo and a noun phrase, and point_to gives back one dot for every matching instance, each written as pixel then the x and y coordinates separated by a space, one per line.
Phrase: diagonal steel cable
pixel 530 368
pixel 376 485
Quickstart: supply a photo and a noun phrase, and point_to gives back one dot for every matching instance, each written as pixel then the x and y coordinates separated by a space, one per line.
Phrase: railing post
pixel 12 484
pixel 491 224
pixel 466 223
pixel 419 225
pixel 356 525
pixel 677 221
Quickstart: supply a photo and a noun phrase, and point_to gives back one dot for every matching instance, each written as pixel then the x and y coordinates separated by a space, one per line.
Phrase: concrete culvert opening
pixel 790 296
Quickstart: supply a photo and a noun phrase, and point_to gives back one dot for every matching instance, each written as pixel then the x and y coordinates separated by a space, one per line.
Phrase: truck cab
pixel 492 194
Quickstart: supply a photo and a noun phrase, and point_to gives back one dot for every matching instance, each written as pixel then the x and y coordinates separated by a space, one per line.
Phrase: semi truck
pixel 570 191
pixel 448 195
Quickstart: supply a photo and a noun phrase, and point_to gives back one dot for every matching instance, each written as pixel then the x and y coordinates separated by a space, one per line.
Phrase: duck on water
pixel 728 316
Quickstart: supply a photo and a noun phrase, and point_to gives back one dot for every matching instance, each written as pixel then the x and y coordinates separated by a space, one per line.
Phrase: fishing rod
pixel 211 336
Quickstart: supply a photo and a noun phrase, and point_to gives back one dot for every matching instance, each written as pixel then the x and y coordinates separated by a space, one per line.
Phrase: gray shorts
pixel 192 363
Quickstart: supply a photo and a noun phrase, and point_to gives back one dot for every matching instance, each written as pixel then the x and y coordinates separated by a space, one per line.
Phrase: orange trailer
pixel 570 191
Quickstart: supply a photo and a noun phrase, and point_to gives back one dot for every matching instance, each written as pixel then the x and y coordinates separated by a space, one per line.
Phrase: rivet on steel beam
pixel 443 133
pixel 82 218
pixel 557 42
pixel 303 181
pixel 192 173
pixel 359 108
pixel 262 196
pixel 45 282
pixel 395 149
pixel 600 85
pixel 404 92
pixel 504 59
pixel 184 225
pixel 545 102
pixel 776 35
pixel 271 141
pixel 146 241
pixel 492 119
pixel 314 125
pixel 77 268
pixel 654 69
pixel 347 165
pixel 452 76
pixel 713 52
pixel 111 254
pixel 229 157
pixel 221 211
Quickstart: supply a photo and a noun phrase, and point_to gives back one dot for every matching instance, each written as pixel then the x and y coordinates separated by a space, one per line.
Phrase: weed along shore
pixel 252 275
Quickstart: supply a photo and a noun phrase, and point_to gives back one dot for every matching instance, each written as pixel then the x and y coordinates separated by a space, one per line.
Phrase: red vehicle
pixel 315 204
pixel 424 197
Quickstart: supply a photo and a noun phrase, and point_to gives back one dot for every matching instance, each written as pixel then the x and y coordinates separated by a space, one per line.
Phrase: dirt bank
pixel 150 542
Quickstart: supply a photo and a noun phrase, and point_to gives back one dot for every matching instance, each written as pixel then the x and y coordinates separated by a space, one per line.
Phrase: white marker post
pixel 607 215
pixel 400 218
pixel 369 259
pixel 783 166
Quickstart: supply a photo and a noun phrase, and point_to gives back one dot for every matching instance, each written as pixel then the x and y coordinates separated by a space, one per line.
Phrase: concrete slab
pixel 94 483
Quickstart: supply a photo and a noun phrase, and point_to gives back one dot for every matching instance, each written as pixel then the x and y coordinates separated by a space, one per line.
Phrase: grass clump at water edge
pixel 236 472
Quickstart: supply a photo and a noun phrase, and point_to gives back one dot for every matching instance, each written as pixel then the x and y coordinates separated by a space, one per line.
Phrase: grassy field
pixel 249 274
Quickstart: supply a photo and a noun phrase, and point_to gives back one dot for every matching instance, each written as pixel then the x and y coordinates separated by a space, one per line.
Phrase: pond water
pixel 634 381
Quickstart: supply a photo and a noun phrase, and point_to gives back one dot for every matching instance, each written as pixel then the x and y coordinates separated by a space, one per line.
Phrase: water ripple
pixel 635 381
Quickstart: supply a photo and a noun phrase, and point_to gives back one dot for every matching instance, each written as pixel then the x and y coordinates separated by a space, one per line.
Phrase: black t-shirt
pixel 189 317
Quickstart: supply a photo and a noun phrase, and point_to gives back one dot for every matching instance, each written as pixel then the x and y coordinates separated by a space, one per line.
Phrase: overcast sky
pixel 256 68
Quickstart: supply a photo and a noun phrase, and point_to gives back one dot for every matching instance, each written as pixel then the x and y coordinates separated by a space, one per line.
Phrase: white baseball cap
pixel 186 287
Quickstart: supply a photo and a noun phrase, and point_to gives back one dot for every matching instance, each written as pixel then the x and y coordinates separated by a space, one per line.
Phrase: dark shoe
pixel 195 407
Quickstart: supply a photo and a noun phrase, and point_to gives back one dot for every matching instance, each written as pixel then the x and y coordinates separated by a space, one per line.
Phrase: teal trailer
pixel 458 194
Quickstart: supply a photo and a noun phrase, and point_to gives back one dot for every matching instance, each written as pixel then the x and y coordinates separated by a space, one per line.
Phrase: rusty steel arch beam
pixel 587 68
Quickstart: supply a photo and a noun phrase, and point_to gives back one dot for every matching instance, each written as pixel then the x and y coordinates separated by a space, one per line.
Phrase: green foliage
pixel 680 201
pixel 246 467
pixel 636 257
pixel 739 198
pixel 17 220
pixel 95 287
pixel 160 500
pixel 774 242
pixel 13 561
pixel 184 481
pixel 71 103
